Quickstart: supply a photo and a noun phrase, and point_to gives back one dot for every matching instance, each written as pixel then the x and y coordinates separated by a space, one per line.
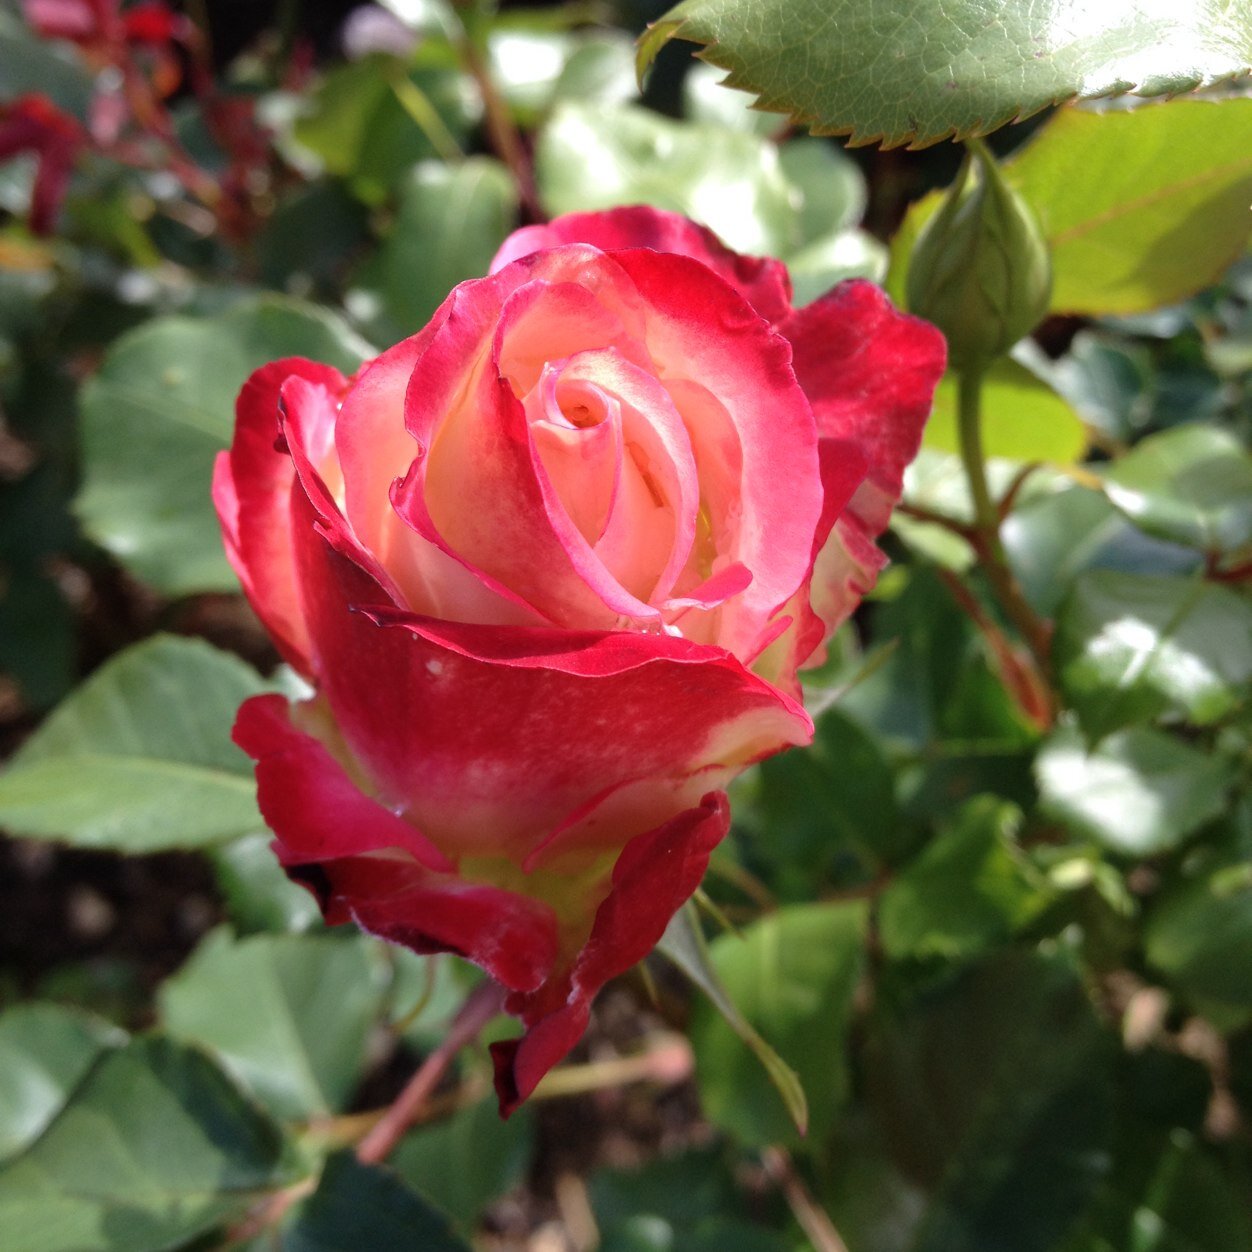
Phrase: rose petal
pixel 252 485
pixel 655 875
pixel 763 282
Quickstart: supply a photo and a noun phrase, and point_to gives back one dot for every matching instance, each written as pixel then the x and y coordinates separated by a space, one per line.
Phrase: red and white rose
pixel 551 567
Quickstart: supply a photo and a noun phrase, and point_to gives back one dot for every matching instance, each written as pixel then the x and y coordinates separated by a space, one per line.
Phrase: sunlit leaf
pixel 139 758
pixel 1138 792
pixel 792 975
pixel 969 889
pixel 1129 646
pixel 1023 419
pixel 898 72
pixel 684 944
pixel 1143 207
pixel 1191 485
pixel 594 157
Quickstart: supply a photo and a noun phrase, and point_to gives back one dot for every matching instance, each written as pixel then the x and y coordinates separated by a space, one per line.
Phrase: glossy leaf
pixel 451 221
pixel 462 1163
pixel 1130 646
pixel 953 70
pixel 1023 419
pixel 1141 208
pixel 1138 792
pixel 970 889
pixel 159 410
pixel 367 1206
pixel 139 758
pixel 594 157
pixel 1052 538
pixel 45 1050
pixel 288 1015
pixel 683 943
pixel 1191 485
pixel 792 974
pixel 156 1147
pixel 994 1091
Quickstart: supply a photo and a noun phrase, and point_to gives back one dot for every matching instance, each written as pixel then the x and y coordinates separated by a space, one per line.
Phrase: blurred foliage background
pixel 998 918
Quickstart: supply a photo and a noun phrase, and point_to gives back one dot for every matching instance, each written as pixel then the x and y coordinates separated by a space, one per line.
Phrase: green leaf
pixel 259 895
pixel 155 1147
pixel 896 72
pixel 1141 208
pixel 1138 792
pixel 464 1162
pixel 371 120
pixel 451 221
pixel 365 1206
pixel 1167 1196
pixel 706 101
pixel 792 974
pixel 1129 646
pixel 139 758
pixel 160 409
pixel 595 157
pixel 970 889
pixel 994 1090
pixel 1191 485
pixel 1023 419
pixel 684 944
pixel 817 805
pixel 44 1052
pixel 1054 537
pixel 288 1016
pixel 831 187
pixel 534 68
pixel 1200 935
pixel 818 266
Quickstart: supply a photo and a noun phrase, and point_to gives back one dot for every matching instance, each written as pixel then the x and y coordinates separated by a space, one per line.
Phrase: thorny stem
pixel 481 1006
pixel 985 533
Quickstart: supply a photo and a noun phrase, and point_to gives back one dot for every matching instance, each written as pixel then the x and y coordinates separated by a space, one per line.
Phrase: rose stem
pixel 813 1220
pixel 985 533
pixel 506 139
pixel 482 1005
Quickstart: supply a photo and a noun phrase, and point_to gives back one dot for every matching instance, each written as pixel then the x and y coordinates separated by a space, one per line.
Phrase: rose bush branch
pixel 484 1003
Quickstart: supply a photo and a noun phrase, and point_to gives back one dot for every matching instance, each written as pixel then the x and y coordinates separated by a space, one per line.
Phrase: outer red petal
pixel 763 282
pixel 655 875
pixel 870 374
pixel 367 865
pixel 489 740
pixel 252 485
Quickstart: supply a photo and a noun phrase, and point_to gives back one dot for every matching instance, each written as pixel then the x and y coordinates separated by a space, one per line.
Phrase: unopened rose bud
pixel 980 269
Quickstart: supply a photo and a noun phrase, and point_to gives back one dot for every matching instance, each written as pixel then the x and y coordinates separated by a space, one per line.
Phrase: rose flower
pixel 551 567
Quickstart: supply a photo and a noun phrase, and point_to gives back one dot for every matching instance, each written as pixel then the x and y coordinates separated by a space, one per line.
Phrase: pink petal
pixel 252 486
pixel 763 282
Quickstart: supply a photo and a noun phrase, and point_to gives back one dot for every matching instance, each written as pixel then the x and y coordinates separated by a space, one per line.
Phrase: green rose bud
pixel 980 269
